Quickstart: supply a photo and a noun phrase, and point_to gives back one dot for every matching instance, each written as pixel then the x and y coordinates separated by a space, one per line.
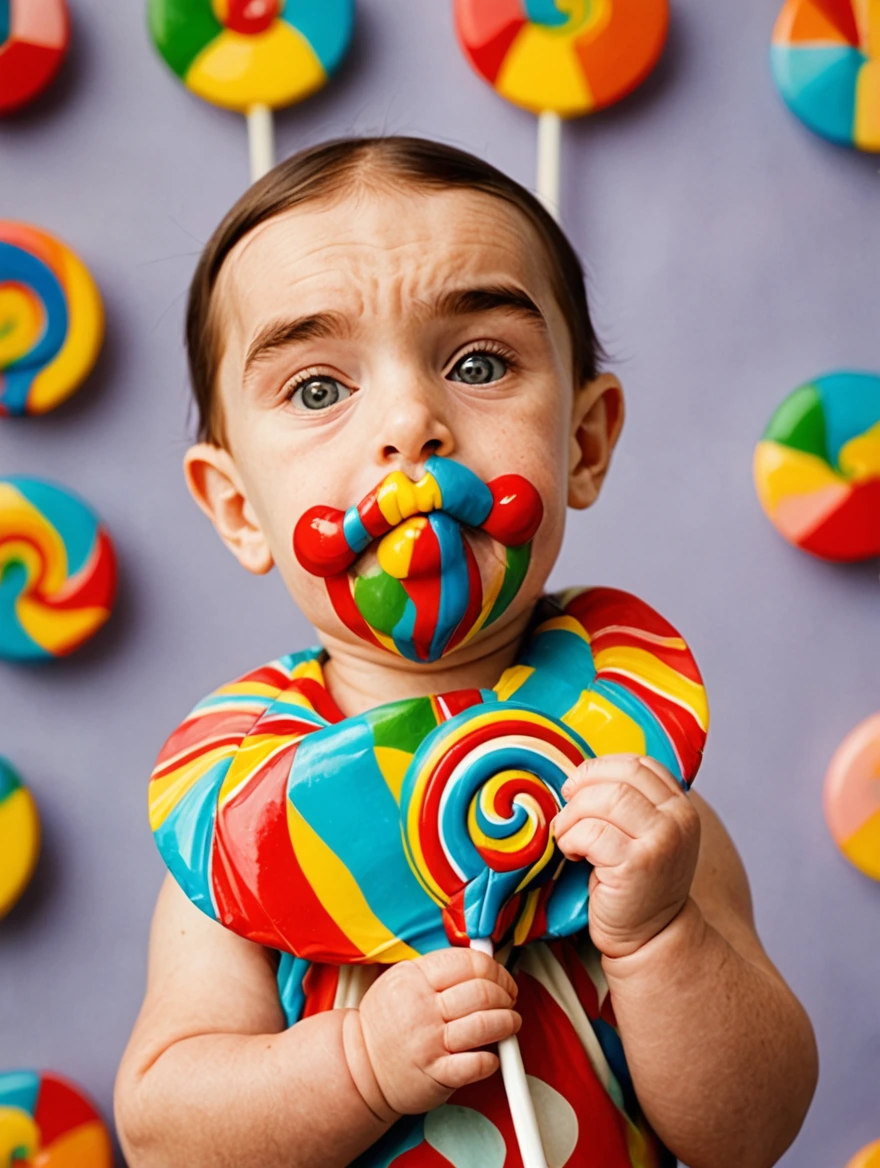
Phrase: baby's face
pixel 364 337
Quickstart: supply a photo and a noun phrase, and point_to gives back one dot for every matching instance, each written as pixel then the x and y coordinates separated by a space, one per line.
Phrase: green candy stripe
pixel 518 559
pixel 181 29
pixel 403 725
pixel 800 423
pixel 9 780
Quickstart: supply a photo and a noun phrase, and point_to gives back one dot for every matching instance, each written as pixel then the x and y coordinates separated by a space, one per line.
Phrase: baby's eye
pixel 319 393
pixel 479 368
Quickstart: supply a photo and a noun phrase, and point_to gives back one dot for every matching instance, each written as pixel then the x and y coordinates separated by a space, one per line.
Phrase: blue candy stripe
pixel 19 266
pixel 186 838
pixel 15 644
pixel 851 405
pixel 346 763
pixel 356 535
pixel 5 22
pixel 657 743
pixel 20 1089
pixel 291 972
pixel 454 581
pixel 327 27
pixel 820 84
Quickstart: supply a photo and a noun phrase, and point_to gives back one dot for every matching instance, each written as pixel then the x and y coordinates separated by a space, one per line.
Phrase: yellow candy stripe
pixel 85 333
pixel 400 498
pixel 22 320
pixel 860 457
pixel 166 792
pixel 540 56
pixel 607 728
pixel 19 848
pixel 863 846
pixel 781 471
pixel 646 669
pixel 340 895
pixel 238 71
pixel 18 1132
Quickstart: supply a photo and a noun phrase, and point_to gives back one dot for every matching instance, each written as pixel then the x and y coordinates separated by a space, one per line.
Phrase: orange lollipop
pixel 561 59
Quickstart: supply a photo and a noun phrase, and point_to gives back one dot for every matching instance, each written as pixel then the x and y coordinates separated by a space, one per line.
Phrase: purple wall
pixel 731 256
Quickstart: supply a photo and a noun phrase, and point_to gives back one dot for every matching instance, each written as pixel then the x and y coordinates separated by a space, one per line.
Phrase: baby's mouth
pixel 419 567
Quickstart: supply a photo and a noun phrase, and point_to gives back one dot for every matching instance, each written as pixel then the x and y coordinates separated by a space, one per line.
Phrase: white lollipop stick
pixel 549 160
pixel 522 1108
pixel 261 138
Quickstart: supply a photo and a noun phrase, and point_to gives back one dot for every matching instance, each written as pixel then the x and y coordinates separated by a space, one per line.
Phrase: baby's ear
pixel 215 485
pixel 596 422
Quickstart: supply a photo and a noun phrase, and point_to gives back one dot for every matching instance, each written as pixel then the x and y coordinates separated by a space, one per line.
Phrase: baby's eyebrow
pixel 493 297
pixel 280 334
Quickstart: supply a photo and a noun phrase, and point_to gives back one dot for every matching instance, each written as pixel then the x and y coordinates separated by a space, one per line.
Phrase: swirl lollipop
pixel 49 1122
pixel 561 59
pixel 57 571
pixel 34 35
pixel 253 56
pixel 477 806
pixel 51 320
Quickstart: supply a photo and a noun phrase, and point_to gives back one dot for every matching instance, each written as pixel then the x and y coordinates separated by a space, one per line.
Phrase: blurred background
pixel 731 255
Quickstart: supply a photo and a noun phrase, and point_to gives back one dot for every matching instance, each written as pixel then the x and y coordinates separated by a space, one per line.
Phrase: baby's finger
pixel 448 967
pixel 619 803
pixel 469 997
pixel 481 1029
pixel 597 841
pixel 648 775
pixel 458 1070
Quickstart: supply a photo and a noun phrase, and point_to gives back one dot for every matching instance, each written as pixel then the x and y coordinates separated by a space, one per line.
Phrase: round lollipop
pixel 477 806
pixel 19 838
pixel 253 56
pixel 817 467
pixel 51 320
pixel 826 63
pixel 852 797
pixel 561 59
pixel 57 571
pixel 868 1157
pixel 48 1122
pixel 34 35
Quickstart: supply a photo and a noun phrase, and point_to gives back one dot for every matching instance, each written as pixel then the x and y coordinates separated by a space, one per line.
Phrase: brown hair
pixel 327 170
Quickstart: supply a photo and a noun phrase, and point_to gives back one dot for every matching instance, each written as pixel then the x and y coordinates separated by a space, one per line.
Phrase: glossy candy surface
pixel 51 320
pixel 852 797
pixel 817 467
pixel 283 820
pixel 46 1122
pixel 568 57
pixel 826 62
pixel 242 53
pixel 425 594
pixel 34 35
pixel 19 838
pixel 57 570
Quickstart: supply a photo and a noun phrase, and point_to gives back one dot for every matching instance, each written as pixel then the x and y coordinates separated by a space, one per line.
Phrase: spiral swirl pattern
pixel 57 570
pixel 51 320
pixel 477 806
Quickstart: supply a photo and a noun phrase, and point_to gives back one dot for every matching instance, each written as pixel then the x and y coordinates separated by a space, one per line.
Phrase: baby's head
pixel 395 307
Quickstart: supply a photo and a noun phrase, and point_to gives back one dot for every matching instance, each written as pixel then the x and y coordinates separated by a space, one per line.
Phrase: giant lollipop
pixel 561 59
pixel 253 56
pixel 423 822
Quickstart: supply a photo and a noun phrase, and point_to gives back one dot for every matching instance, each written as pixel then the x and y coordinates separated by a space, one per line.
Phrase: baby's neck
pixel 359 679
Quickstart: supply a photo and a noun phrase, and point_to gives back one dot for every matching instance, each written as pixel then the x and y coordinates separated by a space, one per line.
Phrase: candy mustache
pixel 327 541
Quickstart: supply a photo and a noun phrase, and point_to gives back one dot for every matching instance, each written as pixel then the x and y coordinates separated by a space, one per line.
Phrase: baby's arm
pixel 212 1077
pixel 722 1055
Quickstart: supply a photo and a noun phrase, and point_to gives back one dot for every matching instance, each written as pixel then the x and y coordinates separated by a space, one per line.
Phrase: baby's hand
pixel 421 1026
pixel 627 816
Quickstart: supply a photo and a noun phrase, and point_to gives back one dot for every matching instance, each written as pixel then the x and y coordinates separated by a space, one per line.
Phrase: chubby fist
pixel 628 817
pixel 417 1034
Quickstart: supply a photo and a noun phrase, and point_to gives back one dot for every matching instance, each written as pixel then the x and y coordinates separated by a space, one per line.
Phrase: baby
pixel 370 306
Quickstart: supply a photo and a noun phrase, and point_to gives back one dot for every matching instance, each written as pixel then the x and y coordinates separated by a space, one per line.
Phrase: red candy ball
pixel 516 512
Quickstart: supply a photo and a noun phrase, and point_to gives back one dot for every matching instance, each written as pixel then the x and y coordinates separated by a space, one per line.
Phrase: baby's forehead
pixel 376 250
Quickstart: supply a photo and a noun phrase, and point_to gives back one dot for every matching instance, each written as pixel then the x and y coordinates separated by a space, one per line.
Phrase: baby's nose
pixel 411 432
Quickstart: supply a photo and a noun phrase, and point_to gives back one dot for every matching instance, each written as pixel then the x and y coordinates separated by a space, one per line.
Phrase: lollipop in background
pixel 48 1122
pixel 19 838
pixel 57 571
pixel 561 59
pixel 253 56
pixel 817 467
pixel 852 797
pixel 51 320
pixel 34 35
